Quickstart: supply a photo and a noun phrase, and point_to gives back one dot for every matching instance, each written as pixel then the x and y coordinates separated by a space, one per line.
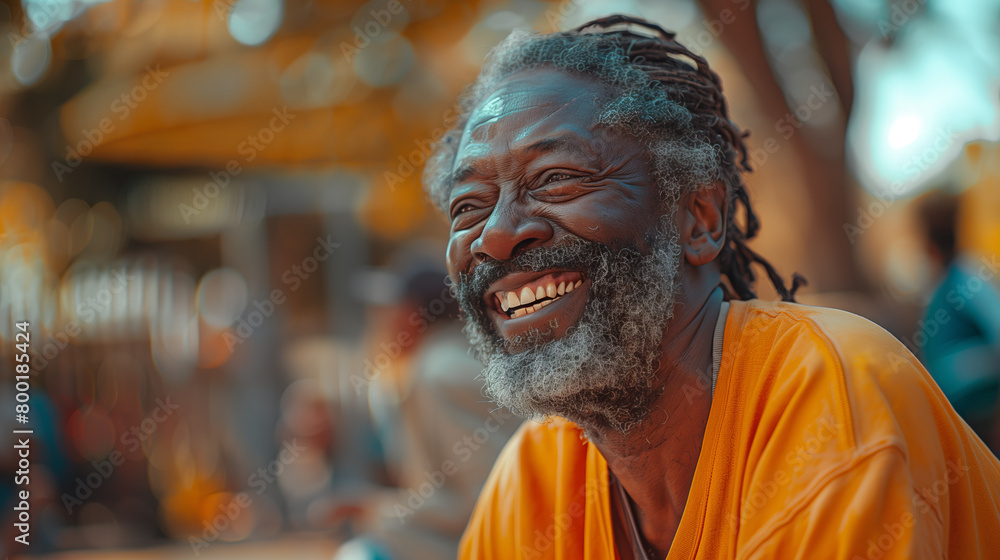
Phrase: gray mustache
pixel 576 254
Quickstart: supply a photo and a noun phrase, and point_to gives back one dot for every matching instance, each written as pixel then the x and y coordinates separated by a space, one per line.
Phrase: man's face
pixel 564 264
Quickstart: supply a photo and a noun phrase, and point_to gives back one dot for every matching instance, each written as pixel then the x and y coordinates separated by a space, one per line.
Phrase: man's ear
pixel 703 223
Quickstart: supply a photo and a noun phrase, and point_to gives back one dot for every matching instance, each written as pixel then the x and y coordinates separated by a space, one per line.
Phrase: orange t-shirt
pixel 826 439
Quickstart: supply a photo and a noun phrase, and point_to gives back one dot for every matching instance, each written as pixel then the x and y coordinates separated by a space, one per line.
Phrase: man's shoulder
pixel 823 399
pixel 802 360
pixel 833 324
pixel 843 343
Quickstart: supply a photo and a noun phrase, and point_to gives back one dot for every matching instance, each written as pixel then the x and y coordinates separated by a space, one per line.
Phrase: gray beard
pixel 602 374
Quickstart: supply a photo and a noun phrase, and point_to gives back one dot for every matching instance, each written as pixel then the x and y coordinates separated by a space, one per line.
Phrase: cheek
pixel 609 220
pixel 459 256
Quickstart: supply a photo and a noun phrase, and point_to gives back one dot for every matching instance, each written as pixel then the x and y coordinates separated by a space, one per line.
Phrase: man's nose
pixel 508 233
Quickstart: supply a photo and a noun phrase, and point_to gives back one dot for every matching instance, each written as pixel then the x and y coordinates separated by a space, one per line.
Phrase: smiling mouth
pixel 536 294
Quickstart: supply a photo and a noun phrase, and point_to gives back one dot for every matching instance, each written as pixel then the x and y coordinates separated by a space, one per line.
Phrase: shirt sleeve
pixel 855 453
pixel 489 534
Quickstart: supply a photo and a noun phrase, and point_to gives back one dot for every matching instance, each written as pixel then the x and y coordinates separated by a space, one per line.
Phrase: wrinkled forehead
pixel 528 107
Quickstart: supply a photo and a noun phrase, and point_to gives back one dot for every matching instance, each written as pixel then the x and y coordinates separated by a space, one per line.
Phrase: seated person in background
pixel 961 326
pixel 599 228
pixel 440 433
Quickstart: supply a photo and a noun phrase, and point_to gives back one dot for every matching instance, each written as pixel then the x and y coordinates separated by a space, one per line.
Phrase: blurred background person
pixel 961 325
pixel 440 436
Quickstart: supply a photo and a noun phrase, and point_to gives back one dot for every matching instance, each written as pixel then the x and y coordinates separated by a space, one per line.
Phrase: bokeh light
pixel 222 297
pixel 252 22
pixel 31 58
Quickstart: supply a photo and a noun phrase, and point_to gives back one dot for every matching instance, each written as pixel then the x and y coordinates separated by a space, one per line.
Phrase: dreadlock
pixel 665 97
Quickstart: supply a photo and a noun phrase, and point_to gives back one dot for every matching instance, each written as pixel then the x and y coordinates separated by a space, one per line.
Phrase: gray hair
pixel 665 96
pixel 683 157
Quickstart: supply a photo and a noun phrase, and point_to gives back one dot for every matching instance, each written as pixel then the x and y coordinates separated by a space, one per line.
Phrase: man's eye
pixel 463 209
pixel 558 177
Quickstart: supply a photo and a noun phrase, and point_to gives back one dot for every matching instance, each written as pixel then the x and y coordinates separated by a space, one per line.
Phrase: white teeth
pixel 550 290
pixel 526 295
pixel 512 300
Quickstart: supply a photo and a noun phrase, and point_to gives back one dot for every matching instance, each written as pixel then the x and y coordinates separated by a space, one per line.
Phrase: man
pixel 593 186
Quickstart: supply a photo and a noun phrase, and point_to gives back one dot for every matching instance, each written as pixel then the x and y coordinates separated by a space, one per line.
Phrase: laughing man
pixel 593 185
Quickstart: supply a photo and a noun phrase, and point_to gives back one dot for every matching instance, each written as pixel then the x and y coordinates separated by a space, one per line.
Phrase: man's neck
pixel 655 461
